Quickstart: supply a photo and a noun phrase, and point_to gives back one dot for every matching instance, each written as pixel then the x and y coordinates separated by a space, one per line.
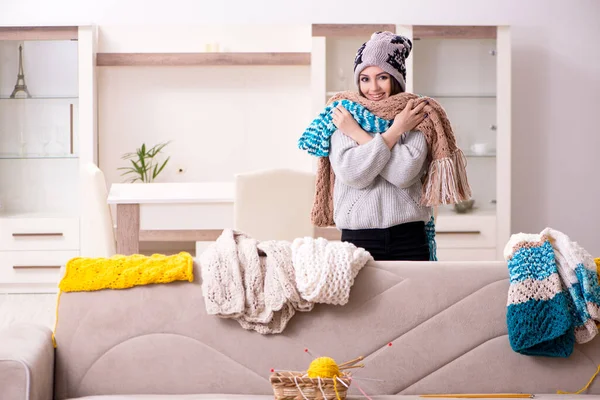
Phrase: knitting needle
pixel 377 353
pixel 357 359
pixel 353 366
pixel 482 396
pixel 307 351
pixel 367 379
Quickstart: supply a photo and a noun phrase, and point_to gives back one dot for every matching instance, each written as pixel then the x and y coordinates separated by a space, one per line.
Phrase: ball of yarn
pixel 323 367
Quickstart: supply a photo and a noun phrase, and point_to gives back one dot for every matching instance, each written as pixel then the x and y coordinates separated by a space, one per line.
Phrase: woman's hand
pixel 411 116
pixel 346 123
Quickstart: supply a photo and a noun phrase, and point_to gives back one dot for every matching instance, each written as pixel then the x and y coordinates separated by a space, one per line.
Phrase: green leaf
pixel 157 149
pixel 155 174
pixel 131 171
pixel 128 155
pixel 136 166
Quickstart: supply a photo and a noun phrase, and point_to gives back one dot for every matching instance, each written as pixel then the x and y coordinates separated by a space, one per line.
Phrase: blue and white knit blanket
pixel 554 295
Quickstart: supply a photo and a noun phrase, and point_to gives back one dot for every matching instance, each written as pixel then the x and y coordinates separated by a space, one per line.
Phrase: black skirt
pixel 404 242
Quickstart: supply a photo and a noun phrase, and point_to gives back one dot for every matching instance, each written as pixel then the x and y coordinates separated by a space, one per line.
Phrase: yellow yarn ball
pixel 323 367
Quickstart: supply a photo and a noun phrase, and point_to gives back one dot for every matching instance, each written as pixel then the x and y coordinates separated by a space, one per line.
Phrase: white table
pixel 182 212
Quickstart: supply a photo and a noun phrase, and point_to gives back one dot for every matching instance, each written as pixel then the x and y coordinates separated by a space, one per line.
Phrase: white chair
pixel 97 236
pixel 274 204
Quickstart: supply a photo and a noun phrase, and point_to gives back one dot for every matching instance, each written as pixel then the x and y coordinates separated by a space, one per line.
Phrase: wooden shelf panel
pixel 454 32
pixel 350 29
pixel 199 59
pixel 38 33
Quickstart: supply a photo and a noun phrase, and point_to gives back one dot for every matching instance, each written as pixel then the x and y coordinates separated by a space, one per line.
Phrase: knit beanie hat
pixel 387 51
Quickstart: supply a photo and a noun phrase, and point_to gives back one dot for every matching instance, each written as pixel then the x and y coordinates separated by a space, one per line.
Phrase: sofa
pixel 423 327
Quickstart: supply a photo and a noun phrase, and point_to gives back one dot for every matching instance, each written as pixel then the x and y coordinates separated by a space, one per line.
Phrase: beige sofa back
pixel 446 323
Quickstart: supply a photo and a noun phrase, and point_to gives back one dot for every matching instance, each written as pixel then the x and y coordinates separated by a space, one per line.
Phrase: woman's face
pixel 375 83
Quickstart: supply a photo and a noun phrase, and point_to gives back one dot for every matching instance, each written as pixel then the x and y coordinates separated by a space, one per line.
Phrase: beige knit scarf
pixel 446 179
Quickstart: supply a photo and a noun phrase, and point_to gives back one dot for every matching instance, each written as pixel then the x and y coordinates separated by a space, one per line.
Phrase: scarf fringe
pixel 446 181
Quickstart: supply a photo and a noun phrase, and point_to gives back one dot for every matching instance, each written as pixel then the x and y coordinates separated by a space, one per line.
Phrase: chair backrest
pixel 97 235
pixel 274 204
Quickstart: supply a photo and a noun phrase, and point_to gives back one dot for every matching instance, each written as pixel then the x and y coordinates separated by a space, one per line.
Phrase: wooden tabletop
pixel 171 193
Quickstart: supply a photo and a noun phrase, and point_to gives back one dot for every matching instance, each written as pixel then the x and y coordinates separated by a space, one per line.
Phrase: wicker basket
pixel 288 384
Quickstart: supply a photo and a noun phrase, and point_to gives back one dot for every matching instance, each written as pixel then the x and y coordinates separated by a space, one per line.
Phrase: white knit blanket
pixel 263 293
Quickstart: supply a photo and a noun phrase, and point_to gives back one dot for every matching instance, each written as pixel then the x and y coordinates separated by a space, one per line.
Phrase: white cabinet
pixel 46 131
pixel 467 70
pixel 461 237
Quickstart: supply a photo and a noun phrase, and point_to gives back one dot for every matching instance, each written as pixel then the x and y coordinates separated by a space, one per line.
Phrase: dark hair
pixel 395 89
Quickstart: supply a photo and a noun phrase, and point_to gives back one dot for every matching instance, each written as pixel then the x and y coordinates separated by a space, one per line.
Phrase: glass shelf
pixel 460 96
pixel 470 154
pixel 7 97
pixel 14 156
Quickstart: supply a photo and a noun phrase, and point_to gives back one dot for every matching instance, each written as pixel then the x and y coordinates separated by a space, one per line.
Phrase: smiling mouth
pixel 377 96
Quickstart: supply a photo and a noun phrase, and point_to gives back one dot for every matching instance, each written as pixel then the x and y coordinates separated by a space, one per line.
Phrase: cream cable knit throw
pixel 263 293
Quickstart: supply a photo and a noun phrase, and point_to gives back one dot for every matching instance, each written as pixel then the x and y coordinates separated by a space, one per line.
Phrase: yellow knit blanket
pixel 122 272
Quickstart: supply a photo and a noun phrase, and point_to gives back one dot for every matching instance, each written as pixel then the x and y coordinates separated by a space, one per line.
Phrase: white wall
pixel 221 120
pixel 556 79
pixel 215 130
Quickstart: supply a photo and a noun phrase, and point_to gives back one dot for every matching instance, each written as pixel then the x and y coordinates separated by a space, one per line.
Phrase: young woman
pixel 378 176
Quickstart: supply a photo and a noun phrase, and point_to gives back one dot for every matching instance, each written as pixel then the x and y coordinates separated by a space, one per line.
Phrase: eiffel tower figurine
pixel 20 86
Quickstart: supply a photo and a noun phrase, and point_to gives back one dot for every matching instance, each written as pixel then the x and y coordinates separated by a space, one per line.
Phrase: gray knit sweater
pixel 376 187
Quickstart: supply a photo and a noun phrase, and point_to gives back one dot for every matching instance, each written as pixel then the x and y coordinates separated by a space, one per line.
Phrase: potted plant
pixel 145 165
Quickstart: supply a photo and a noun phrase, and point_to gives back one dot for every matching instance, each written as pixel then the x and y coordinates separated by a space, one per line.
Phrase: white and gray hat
pixel 387 51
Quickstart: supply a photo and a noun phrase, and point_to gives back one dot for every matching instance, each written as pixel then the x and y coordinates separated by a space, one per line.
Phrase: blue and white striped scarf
pixel 316 138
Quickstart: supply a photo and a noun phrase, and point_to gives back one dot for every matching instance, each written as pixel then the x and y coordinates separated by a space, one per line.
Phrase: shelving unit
pixel 349 30
pixel 466 69
pixel 454 32
pixel 201 59
pixel 43 138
